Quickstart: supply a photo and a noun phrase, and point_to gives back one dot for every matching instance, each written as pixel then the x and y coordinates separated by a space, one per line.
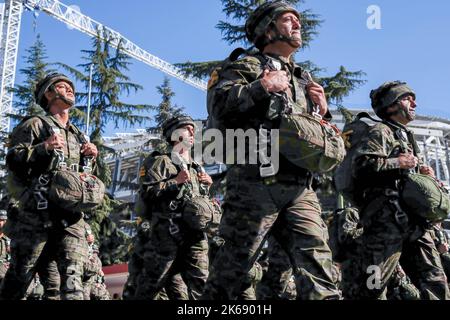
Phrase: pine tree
pixel 36 69
pixel 164 111
pixel 233 32
pixel 109 83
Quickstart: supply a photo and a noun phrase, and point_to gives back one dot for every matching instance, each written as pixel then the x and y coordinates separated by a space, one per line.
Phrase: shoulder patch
pixel 213 79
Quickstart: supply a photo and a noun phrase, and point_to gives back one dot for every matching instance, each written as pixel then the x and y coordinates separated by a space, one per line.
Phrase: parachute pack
pixel 425 197
pixel 354 132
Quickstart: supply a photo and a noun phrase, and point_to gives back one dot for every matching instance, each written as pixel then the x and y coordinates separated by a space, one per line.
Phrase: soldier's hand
pixel 427 170
pixel 407 161
pixel 55 141
pixel 442 248
pixel 183 177
pixel 275 81
pixel 205 178
pixel 317 95
pixel 89 149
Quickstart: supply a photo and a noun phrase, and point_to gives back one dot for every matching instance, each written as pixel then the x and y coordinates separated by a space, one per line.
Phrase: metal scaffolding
pixel 10 32
pixel 11 18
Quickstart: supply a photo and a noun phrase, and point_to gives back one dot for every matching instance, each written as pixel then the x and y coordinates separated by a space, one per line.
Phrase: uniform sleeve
pixel 239 89
pixel 92 266
pixel 372 155
pixel 27 146
pixel 159 179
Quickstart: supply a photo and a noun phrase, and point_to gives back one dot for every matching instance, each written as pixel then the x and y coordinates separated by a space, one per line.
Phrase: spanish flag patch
pixel 213 79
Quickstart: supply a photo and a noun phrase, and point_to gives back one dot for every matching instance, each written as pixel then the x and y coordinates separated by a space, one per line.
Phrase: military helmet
pixel 3 215
pixel 170 125
pixel 387 94
pixel 45 84
pixel 258 22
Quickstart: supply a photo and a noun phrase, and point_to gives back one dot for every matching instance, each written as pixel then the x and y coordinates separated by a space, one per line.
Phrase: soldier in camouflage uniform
pixel 45 231
pixel 287 206
pixel 401 287
pixel 174 247
pixel 94 287
pixel 390 233
pixel 4 247
pixel 36 290
pixel 442 245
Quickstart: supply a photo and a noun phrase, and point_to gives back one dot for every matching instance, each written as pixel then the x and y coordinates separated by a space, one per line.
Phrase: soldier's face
pixel 2 224
pixel 63 89
pixel 186 134
pixel 408 105
pixel 288 25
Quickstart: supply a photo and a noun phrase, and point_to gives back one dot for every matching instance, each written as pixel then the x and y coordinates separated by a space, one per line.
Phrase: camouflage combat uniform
pixel 441 238
pixel 94 287
pixel 4 256
pixel 277 274
pixel 32 237
pixel 389 233
pixel 401 287
pixel 172 247
pixel 289 208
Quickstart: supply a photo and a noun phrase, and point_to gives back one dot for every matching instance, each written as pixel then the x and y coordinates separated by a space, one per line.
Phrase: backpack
pixel 344 181
pixel 211 121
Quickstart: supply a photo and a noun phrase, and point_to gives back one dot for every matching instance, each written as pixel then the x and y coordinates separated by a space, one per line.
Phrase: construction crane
pixel 10 18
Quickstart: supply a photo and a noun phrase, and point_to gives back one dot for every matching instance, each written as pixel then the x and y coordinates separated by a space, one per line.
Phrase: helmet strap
pixel 402 111
pixel 57 96
pixel 280 37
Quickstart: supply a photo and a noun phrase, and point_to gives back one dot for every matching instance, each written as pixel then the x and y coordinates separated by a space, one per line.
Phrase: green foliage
pixel 347 114
pixel 109 84
pixel 164 111
pixel 341 84
pixel 36 69
pixel 237 12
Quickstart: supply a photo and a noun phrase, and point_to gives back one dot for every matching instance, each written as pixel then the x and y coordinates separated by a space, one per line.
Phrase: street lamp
pixel 91 67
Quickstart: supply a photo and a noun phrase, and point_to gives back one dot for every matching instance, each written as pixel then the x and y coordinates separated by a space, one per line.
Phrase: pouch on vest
pixel 198 212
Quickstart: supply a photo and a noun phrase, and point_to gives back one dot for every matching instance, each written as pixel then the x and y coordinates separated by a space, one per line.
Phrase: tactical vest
pixel 66 184
pixel 305 140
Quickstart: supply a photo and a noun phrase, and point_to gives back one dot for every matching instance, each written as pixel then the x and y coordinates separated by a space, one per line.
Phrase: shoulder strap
pixel 366 115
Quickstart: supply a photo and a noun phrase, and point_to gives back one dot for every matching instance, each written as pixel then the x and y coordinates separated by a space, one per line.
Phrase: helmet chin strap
pixel 283 38
pixel 403 112
pixel 57 96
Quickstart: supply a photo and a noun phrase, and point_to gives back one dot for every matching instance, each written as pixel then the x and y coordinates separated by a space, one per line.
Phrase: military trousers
pixel 290 210
pixel 277 275
pixel 165 255
pixel 29 247
pixel 384 243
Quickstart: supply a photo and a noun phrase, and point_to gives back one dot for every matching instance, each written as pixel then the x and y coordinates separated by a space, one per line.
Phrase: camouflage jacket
pixel 237 99
pixel 27 159
pixel 159 187
pixel 92 267
pixel 4 249
pixel 375 161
